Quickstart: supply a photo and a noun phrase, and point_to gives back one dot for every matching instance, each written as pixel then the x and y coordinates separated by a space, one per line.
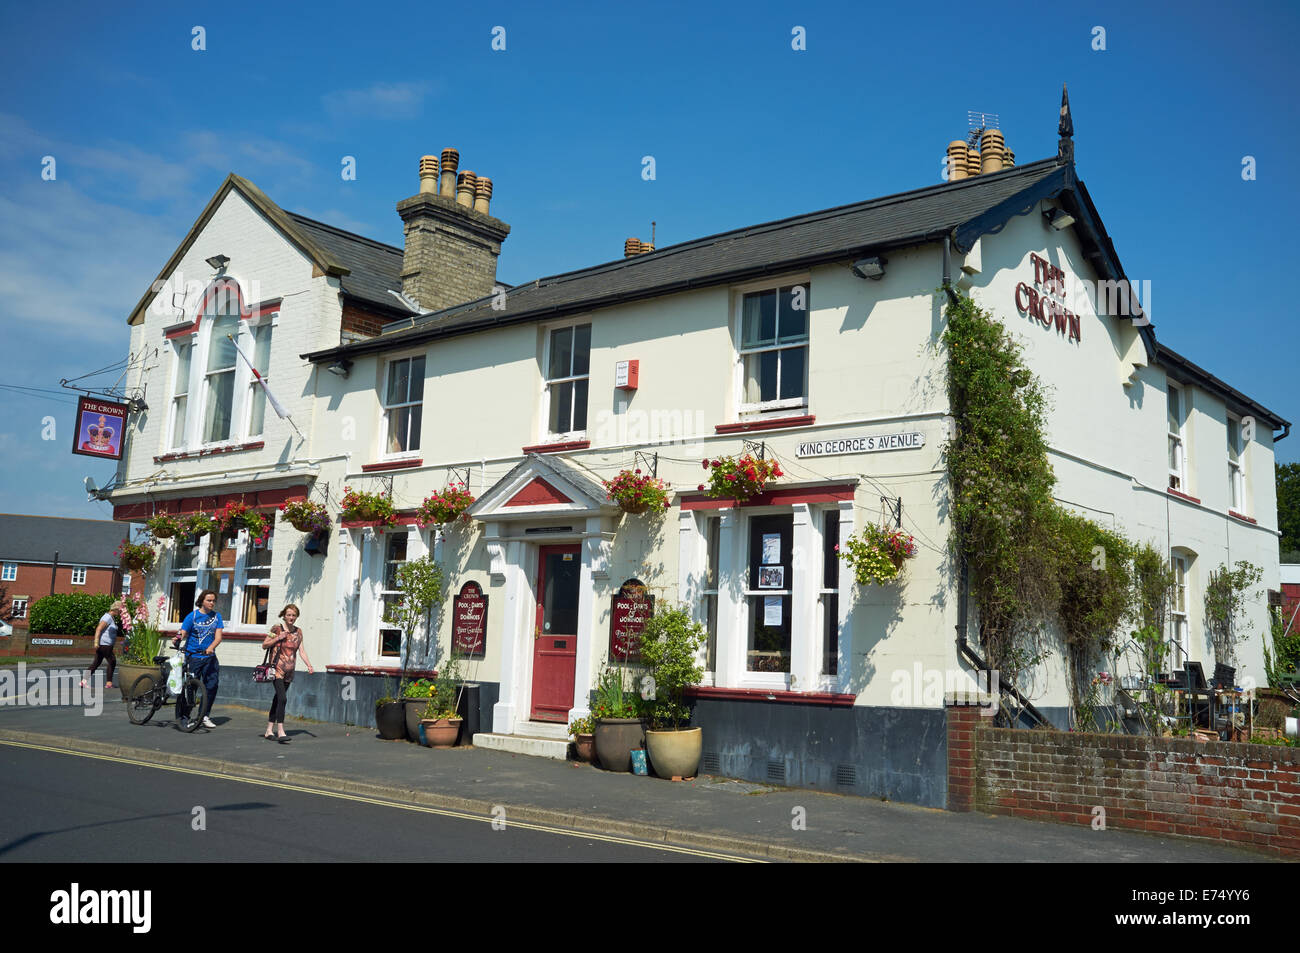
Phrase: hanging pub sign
pixel 469 621
pixel 99 430
pixel 632 608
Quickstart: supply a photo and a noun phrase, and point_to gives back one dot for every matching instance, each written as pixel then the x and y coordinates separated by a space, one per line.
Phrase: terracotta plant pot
pixel 390 719
pixel 441 732
pixel 675 753
pixel 634 508
pixel 584 746
pixel 615 739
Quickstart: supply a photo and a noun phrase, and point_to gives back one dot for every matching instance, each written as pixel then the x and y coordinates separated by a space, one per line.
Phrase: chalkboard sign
pixel 632 607
pixel 469 621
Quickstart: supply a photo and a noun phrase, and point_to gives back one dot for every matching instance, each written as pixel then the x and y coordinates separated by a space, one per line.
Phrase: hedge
pixel 71 613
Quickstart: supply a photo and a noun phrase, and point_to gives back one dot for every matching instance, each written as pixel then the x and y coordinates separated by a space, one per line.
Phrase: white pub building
pixel 406 369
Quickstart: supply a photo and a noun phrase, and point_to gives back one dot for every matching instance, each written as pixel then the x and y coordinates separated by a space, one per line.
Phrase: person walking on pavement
pixel 287 641
pixel 107 633
pixel 203 628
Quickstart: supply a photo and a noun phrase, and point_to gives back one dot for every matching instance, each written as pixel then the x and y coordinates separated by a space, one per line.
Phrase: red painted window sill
pixel 782 496
pixel 1242 516
pixel 770 423
pixel 1182 496
pixel 195 454
pixel 558 447
pixel 379 670
pixel 391 465
pixel 833 699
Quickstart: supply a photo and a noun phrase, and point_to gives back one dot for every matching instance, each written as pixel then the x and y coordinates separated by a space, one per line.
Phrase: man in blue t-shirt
pixel 202 629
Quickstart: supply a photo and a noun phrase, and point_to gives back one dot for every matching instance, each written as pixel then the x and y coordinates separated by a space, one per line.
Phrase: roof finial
pixel 1065 148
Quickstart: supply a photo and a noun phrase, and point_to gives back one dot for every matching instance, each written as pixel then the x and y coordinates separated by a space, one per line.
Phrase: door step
pixel 555 748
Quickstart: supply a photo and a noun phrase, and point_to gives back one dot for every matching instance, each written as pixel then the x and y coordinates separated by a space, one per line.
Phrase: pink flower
pixel 706 464
pixel 701 486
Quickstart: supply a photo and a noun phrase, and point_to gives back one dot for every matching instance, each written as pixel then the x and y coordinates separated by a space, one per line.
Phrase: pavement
pixel 776 823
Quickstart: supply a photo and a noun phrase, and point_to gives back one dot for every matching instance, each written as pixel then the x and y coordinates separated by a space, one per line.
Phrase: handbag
pixel 266 671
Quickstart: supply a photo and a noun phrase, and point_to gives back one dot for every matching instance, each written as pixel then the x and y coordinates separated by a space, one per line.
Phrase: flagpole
pixel 275 404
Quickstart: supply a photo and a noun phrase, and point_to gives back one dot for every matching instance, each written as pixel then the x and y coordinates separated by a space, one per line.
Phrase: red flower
pixel 706 464
pixel 701 486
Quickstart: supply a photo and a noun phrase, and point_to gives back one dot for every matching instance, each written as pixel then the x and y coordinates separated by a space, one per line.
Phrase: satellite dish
pixel 90 485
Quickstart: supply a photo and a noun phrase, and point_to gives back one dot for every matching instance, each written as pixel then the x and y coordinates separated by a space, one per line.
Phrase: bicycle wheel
pixel 195 698
pixel 142 699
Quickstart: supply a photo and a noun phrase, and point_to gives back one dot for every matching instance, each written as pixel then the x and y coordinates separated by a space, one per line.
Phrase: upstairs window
pixel 774 349
pixel 1177 459
pixel 568 371
pixel 403 403
pixel 256 393
pixel 10 572
pixel 78 575
pixel 181 394
pixel 1236 469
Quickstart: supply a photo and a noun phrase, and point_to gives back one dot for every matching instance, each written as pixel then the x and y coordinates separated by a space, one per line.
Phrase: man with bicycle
pixel 202 628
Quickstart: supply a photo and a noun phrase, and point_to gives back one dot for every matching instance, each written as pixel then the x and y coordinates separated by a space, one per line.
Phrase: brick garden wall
pixel 1239 793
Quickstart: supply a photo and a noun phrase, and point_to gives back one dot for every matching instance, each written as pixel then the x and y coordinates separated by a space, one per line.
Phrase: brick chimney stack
pixel 450 247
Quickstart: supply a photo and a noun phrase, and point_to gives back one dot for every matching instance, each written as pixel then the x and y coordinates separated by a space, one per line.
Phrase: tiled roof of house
pixel 373 267
pixel 78 542
pixel 817 237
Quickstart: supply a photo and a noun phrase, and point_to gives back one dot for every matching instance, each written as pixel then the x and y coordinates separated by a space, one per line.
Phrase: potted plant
pixel 415 698
pixel 420 582
pixel 374 508
pixel 670 642
pixel 739 479
pixel 390 715
pixel 137 557
pixel 619 726
pixel 445 506
pixel 196 525
pixel 237 515
pixel 163 526
pixel 441 722
pixel 144 640
pixel 306 516
pixel 584 740
pixel 878 555
pixel 635 493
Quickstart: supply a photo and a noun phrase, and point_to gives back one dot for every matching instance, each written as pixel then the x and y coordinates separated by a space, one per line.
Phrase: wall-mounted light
pixel 1059 218
pixel 873 268
pixel 340 367
pixel 217 261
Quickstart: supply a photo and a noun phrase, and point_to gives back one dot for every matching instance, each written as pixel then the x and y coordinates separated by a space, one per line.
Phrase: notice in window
pixel 772 610
pixel 224 586
pixel 771 549
pixel 771 577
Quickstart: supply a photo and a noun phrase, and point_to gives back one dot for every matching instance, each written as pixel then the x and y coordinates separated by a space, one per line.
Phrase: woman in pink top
pixel 287 641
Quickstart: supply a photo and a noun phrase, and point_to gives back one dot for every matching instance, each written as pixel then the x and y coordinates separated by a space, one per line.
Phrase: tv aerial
pixel 977 122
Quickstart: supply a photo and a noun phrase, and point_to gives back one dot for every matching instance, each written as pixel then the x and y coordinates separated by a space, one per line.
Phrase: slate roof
pixel 374 268
pixel 78 542
pixel 835 234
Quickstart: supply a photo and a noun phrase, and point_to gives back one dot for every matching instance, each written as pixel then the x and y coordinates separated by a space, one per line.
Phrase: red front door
pixel 555 642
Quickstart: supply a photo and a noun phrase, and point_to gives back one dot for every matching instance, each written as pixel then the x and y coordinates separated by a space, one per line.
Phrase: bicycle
pixel 148 694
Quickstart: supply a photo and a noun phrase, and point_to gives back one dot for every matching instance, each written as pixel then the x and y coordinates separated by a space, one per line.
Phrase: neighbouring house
pixel 42 555
pixel 810 340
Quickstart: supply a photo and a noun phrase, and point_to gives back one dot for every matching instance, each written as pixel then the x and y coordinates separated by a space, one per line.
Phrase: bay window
pixel 768 592
pixel 1178 610
pixel 568 371
pixel 389 643
pixel 219 377
pixel 830 593
pixel 1236 471
pixel 180 393
pixel 1177 461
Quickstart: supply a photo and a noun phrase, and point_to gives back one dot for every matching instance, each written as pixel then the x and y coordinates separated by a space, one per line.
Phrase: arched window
pixel 222 319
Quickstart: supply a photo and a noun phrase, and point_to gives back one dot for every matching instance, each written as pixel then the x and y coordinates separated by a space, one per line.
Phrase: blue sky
pixel 743 129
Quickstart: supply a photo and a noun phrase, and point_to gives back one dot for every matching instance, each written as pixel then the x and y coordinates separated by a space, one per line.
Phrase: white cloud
pixel 379 100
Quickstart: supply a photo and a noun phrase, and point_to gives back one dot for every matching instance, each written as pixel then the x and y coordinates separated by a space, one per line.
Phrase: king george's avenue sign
pixel 893 441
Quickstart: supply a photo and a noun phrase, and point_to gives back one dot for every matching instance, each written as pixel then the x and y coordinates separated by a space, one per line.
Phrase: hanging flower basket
pixel 199 524
pixel 163 526
pixel 445 506
pixel 136 557
pixel 235 516
pixel 374 508
pixel 635 493
pixel 306 516
pixel 878 555
pixel 739 479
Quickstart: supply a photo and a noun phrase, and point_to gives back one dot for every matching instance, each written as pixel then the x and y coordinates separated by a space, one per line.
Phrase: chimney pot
pixel 428 174
pixel 956 160
pixel 450 161
pixel 482 195
pixel 631 247
pixel 991 150
pixel 465 182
